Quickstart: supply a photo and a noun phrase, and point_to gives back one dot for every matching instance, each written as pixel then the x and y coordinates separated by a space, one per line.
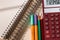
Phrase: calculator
pixel 51 19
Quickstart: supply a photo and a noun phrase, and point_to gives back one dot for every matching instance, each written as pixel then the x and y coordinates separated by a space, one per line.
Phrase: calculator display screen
pixel 51 6
pixel 51 3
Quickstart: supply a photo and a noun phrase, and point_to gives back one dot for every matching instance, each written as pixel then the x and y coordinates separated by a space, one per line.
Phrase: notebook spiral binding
pixel 9 26
pixel 23 22
pixel 39 10
pixel 25 35
pixel 14 22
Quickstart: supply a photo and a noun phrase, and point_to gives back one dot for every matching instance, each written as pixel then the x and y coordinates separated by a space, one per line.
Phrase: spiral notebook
pixel 9 10
pixel 22 24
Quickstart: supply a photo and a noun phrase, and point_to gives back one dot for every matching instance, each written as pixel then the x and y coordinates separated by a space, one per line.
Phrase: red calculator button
pixel 52 27
pixel 47 36
pixel 52 23
pixel 46 23
pixel 53 36
pixel 47 31
pixel 46 27
pixel 52 15
pixel 52 19
pixel 56 14
pixel 56 18
pixel 57 35
pixel 57 22
pixel 53 31
pixel 57 31
pixel 57 27
pixel 46 19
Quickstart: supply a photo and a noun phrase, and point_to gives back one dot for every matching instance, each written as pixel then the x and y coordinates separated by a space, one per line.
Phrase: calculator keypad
pixel 52 26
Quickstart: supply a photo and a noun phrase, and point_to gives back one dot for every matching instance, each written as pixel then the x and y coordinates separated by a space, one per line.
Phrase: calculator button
pixel 47 36
pixel 52 19
pixel 46 23
pixel 46 19
pixel 56 14
pixel 52 15
pixel 57 27
pixel 56 18
pixel 46 27
pixel 57 22
pixel 57 35
pixel 52 27
pixel 53 36
pixel 53 31
pixel 52 23
pixel 57 31
pixel 47 31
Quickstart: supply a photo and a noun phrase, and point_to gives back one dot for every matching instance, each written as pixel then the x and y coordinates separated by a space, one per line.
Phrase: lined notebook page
pixel 6 14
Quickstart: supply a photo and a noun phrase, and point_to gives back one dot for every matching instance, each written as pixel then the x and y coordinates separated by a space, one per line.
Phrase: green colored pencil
pixel 39 29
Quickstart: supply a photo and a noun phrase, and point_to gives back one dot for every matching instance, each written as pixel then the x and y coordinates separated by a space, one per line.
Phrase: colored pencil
pixel 32 27
pixel 36 27
pixel 39 29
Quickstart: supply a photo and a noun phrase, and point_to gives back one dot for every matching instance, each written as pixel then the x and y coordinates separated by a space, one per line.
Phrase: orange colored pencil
pixel 36 27
pixel 33 32
pixel 36 32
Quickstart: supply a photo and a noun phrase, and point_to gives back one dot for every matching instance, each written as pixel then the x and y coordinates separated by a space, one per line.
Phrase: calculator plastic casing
pixel 50 25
